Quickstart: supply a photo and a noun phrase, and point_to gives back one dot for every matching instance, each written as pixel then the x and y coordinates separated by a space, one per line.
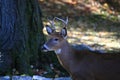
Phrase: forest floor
pixel 90 22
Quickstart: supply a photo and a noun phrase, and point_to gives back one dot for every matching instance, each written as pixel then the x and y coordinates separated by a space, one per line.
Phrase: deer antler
pixel 53 24
pixel 64 21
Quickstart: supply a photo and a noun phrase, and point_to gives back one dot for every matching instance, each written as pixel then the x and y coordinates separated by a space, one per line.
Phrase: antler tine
pixel 64 21
pixel 52 23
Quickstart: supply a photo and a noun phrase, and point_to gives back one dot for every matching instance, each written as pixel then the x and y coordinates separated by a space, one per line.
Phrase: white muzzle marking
pixel 46 47
pixel 58 51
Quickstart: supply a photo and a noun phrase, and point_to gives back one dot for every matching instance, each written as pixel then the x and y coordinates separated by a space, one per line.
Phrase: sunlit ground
pixel 100 31
pixel 97 40
pixel 102 40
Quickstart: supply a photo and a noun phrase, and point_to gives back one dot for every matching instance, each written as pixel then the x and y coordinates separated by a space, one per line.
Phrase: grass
pixel 99 30
pixel 93 25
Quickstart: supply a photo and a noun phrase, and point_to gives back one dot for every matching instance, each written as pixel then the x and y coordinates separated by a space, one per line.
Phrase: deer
pixel 81 64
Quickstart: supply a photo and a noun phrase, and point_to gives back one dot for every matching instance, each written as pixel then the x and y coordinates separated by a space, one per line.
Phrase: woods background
pixel 21 31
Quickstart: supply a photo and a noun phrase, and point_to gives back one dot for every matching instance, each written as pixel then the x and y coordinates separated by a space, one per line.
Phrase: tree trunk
pixel 20 33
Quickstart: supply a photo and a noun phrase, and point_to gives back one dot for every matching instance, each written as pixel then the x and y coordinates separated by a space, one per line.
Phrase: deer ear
pixel 64 32
pixel 49 29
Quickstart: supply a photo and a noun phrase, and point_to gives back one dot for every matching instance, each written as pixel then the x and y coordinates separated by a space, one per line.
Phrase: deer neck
pixel 64 49
pixel 65 54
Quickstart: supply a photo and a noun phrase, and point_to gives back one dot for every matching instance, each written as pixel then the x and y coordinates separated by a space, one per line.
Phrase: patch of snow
pixel 35 77
pixel 5 78
pixel 21 78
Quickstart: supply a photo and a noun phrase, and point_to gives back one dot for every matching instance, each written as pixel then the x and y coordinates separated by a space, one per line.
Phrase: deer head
pixel 55 38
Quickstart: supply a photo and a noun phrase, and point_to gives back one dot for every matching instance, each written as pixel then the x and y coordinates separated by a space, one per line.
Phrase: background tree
pixel 20 34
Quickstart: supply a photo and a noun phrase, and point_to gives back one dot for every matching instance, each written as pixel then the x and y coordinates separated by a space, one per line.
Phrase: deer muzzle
pixel 45 48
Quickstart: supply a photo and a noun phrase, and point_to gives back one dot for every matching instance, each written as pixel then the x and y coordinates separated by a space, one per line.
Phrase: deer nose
pixel 44 48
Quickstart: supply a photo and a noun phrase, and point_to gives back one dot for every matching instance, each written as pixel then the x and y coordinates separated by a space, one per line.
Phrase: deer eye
pixel 56 39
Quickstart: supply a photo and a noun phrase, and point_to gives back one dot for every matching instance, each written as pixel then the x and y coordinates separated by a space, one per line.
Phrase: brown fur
pixel 86 65
pixel 83 64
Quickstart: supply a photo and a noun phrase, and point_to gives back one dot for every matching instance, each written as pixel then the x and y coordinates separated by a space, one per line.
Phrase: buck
pixel 81 64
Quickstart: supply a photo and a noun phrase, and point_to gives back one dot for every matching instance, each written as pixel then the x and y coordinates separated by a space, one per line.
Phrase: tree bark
pixel 20 33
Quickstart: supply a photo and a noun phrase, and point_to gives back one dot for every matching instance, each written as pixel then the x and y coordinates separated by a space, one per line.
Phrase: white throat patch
pixel 58 51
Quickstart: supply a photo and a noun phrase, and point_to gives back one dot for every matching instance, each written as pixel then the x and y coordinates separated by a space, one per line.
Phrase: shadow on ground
pixel 90 22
